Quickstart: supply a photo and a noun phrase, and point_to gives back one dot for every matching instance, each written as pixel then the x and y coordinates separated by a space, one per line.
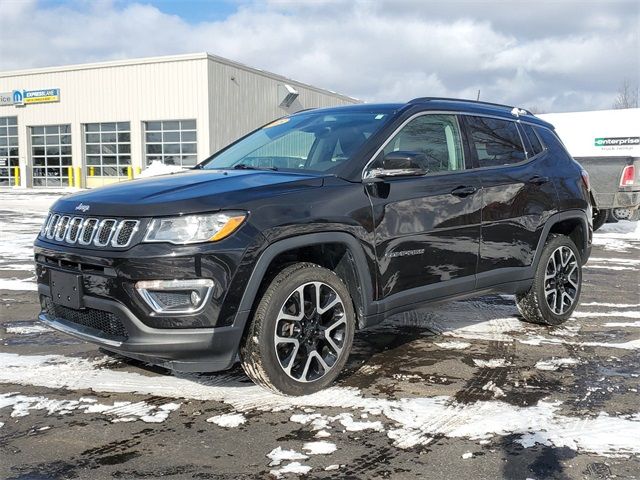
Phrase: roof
pixel 444 104
pixel 167 59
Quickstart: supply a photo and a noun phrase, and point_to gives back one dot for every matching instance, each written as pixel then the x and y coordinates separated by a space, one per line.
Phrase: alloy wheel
pixel 561 280
pixel 310 332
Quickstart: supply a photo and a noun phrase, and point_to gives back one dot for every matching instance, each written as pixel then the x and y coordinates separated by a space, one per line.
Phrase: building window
pixel 51 155
pixel 107 149
pixel 8 150
pixel 172 142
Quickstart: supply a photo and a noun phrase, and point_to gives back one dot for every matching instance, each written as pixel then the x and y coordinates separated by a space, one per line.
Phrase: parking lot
pixel 459 390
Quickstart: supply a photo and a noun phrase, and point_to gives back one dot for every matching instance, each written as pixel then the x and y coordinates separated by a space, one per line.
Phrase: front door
pixel 427 228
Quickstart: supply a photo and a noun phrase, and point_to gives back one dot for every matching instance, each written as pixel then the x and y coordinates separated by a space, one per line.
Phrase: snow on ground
pixel 408 421
pixel 556 363
pixel 22 405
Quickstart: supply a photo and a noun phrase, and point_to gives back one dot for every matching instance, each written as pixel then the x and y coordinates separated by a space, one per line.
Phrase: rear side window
pixel 534 141
pixel 495 142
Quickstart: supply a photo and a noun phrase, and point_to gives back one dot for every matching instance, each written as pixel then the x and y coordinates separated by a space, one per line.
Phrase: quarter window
pixel 172 142
pixel 108 149
pixel 437 137
pixel 534 141
pixel 9 158
pixel 51 155
pixel 495 142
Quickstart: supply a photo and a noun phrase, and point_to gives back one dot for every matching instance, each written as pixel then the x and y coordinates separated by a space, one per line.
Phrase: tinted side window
pixel 496 142
pixel 435 136
pixel 534 141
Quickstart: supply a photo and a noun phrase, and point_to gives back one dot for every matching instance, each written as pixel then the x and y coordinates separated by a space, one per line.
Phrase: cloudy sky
pixel 548 55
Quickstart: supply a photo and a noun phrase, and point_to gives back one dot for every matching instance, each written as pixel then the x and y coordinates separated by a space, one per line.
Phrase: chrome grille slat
pixel 105 232
pixel 73 232
pixel 51 228
pixel 61 228
pixel 90 231
pixel 124 233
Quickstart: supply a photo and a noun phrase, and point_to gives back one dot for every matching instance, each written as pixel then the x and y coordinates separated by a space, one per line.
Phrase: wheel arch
pixel 337 251
pixel 572 223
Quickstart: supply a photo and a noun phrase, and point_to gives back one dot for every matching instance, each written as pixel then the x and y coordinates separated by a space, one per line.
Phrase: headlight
pixel 194 228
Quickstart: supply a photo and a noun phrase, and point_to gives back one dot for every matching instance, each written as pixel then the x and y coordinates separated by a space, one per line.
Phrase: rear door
pixel 427 228
pixel 517 196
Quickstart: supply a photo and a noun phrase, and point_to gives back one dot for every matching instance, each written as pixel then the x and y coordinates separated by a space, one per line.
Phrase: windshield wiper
pixel 244 166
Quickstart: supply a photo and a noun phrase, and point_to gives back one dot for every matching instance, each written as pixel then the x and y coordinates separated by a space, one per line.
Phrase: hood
pixel 194 191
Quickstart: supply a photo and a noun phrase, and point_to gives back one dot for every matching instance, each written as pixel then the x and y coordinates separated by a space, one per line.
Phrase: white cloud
pixel 554 55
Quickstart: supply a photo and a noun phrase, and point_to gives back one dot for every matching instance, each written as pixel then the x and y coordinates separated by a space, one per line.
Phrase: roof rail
pixel 464 100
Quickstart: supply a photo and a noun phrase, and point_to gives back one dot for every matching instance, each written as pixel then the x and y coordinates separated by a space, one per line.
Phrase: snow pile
pixel 453 345
pixel 28 329
pixel 555 363
pixel 293 467
pixel 493 363
pixel 228 420
pixel 279 455
pixel 321 447
pixel 158 168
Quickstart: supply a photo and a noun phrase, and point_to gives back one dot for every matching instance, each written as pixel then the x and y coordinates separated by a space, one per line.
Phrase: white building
pixel 93 124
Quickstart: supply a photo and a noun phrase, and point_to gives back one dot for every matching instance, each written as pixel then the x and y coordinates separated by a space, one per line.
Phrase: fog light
pixel 175 296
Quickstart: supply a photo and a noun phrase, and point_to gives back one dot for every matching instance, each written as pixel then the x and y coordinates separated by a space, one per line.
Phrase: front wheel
pixel 301 332
pixel 555 291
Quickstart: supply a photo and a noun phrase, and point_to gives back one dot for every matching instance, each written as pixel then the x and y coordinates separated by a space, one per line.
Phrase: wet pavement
pixel 459 390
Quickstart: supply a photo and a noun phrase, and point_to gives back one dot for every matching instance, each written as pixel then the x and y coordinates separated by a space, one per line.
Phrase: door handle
pixel 538 180
pixel 464 191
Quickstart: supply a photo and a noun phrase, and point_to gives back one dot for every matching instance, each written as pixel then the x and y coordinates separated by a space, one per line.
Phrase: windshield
pixel 310 141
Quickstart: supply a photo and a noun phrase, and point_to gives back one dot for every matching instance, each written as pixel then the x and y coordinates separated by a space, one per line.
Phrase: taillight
pixel 628 176
pixel 585 180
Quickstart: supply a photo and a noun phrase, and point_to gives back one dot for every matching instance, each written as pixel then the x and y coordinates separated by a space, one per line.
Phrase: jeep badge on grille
pixel 82 207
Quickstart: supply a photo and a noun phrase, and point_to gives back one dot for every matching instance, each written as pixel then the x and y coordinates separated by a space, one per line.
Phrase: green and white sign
pixel 616 141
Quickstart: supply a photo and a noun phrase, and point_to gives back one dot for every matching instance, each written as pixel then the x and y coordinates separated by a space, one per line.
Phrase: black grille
pixel 105 322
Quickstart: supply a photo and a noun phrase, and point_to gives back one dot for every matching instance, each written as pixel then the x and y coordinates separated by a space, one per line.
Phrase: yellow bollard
pixel 130 173
pixel 70 175
pixel 16 176
pixel 138 171
pixel 92 171
pixel 78 177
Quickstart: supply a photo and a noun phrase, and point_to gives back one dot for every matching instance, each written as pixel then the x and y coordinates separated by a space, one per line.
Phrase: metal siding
pixel 253 99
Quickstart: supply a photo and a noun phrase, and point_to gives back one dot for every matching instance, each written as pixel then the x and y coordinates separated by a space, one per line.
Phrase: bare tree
pixel 628 94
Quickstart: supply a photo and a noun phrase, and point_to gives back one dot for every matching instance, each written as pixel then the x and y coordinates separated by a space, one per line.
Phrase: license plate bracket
pixel 66 289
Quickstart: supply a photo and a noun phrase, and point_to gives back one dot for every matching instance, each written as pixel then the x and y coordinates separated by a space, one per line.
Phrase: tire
pixel 553 307
pixel 286 363
pixel 599 218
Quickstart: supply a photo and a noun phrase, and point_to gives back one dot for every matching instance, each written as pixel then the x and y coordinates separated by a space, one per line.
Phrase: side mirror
pixel 400 164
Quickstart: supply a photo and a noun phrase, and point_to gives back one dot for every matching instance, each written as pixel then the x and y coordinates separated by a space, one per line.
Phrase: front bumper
pixel 189 350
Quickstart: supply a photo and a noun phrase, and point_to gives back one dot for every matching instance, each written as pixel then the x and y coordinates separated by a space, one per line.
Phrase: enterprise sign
pixel 24 97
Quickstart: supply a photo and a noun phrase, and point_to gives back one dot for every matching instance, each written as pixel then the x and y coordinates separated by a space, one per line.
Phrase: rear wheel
pixel 301 333
pixel 555 291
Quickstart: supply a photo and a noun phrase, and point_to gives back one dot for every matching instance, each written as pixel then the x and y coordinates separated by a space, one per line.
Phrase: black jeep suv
pixel 276 248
